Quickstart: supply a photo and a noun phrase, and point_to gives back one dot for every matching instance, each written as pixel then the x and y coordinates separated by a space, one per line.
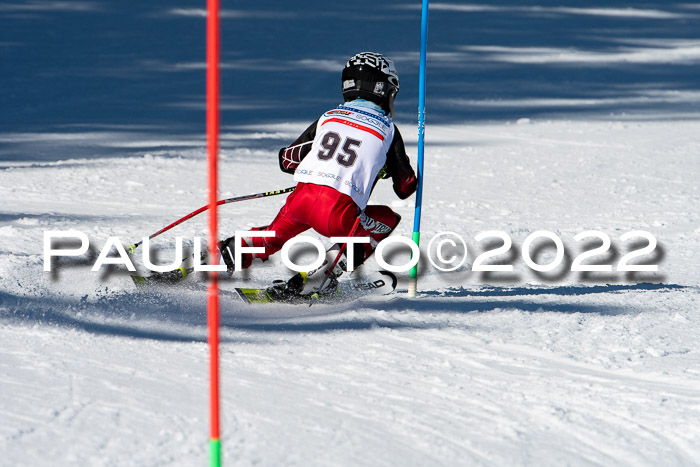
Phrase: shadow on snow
pixel 181 317
pixel 137 68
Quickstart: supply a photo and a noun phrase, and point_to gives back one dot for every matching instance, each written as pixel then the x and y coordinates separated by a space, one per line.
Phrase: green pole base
pixel 214 453
pixel 413 273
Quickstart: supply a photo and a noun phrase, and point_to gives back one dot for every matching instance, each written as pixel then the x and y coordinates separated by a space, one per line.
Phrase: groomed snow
pixel 518 368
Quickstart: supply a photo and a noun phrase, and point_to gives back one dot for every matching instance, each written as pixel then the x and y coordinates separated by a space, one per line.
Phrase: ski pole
pixel 337 258
pixel 132 247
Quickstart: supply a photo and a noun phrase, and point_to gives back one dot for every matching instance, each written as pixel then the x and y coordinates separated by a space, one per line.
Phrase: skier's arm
pixel 292 155
pixel 398 167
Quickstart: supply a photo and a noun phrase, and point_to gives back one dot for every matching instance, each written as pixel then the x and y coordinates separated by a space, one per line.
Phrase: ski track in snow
pixel 478 370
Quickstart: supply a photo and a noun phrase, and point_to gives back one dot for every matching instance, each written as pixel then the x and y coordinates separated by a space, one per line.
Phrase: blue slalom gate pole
pixel 413 274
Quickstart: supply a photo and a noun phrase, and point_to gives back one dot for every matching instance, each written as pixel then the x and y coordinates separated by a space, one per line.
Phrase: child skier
pixel 337 161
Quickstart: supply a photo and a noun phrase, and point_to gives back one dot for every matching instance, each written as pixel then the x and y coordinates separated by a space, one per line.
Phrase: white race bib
pixel 348 152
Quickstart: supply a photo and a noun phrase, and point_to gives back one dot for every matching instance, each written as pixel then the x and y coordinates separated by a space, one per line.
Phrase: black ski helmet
pixel 371 76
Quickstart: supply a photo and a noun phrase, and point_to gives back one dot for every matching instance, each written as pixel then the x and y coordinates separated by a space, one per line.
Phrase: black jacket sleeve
pixel 290 156
pixel 398 167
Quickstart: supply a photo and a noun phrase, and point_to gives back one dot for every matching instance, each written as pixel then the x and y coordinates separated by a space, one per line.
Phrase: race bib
pixel 348 152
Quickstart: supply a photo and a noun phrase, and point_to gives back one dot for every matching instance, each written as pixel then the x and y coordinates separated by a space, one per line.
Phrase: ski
pixel 169 277
pixel 378 283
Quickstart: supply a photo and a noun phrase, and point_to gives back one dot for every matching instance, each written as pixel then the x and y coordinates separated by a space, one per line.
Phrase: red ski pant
pixel 331 214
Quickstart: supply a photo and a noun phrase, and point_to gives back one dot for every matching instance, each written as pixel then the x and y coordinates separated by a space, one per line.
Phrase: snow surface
pixel 547 116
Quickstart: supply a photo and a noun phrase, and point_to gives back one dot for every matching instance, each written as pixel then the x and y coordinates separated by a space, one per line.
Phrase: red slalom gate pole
pixel 213 49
